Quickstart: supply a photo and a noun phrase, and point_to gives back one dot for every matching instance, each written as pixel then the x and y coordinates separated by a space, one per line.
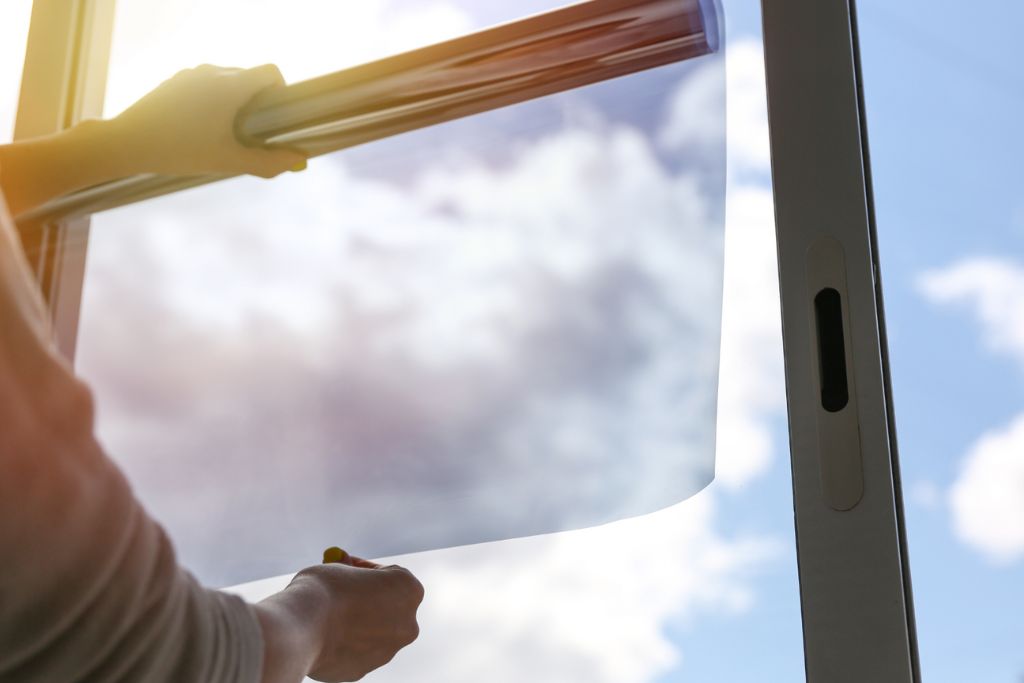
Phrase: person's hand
pixel 186 125
pixel 338 622
pixel 373 616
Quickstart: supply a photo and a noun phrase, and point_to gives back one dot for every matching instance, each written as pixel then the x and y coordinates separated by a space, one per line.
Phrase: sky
pixel 707 590
pixel 944 98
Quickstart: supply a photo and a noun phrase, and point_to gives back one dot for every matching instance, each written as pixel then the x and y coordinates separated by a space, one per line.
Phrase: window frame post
pixel 856 602
pixel 63 82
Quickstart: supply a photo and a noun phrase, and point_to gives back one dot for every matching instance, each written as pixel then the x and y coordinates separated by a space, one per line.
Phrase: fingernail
pixel 334 555
pixel 301 166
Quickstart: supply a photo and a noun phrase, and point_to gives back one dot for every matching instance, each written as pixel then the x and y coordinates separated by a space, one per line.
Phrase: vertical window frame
pixel 855 592
pixel 63 82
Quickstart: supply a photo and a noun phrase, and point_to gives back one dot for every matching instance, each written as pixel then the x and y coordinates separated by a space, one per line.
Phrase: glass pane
pixel 503 326
pixel 528 300
pixel 13 36
pixel 947 178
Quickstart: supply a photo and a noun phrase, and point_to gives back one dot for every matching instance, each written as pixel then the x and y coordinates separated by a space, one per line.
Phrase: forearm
pixel 113 604
pixel 91 587
pixel 292 623
pixel 92 152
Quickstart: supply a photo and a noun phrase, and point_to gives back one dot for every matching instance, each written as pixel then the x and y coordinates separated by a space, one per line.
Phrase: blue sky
pixel 945 98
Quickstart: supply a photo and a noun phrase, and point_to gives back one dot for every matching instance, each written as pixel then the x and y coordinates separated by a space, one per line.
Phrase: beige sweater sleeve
pixel 90 589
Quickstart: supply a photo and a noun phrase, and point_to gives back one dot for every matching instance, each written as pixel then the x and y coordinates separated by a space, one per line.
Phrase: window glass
pixel 14 19
pixel 527 300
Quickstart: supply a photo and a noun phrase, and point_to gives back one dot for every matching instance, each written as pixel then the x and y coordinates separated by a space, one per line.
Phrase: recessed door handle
pixel 839 442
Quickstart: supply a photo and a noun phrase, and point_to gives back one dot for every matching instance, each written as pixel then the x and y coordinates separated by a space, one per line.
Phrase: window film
pixel 501 326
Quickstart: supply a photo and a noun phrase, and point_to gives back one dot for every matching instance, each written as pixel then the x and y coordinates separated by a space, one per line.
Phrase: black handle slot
pixel 828 310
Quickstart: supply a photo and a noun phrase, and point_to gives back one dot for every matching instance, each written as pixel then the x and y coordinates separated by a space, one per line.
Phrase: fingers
pixel 262 161
pixel 257 78
pixel 358 666
pixel 409 581
pixel 268 163
pixel 380 657
pixel 407 633
pixel 402 577
pixel 213 68
pixel 365 564
pixel 204 72
pixel 264 76
pixel 335 554
pixel 418 591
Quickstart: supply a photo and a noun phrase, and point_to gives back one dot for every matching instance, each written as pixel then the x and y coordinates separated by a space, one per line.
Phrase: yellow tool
pixel 335 555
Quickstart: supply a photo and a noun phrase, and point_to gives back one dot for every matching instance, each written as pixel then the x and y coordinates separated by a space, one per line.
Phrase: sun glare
pixel 155 39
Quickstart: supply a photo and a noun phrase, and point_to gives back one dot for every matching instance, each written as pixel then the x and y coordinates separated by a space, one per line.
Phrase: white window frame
pixel 854 576
pixel 855 593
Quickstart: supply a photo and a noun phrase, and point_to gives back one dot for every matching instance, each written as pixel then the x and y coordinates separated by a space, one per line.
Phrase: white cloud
pixel 987 499
pixel 694 110
pixel 751 391
pixel 993 289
